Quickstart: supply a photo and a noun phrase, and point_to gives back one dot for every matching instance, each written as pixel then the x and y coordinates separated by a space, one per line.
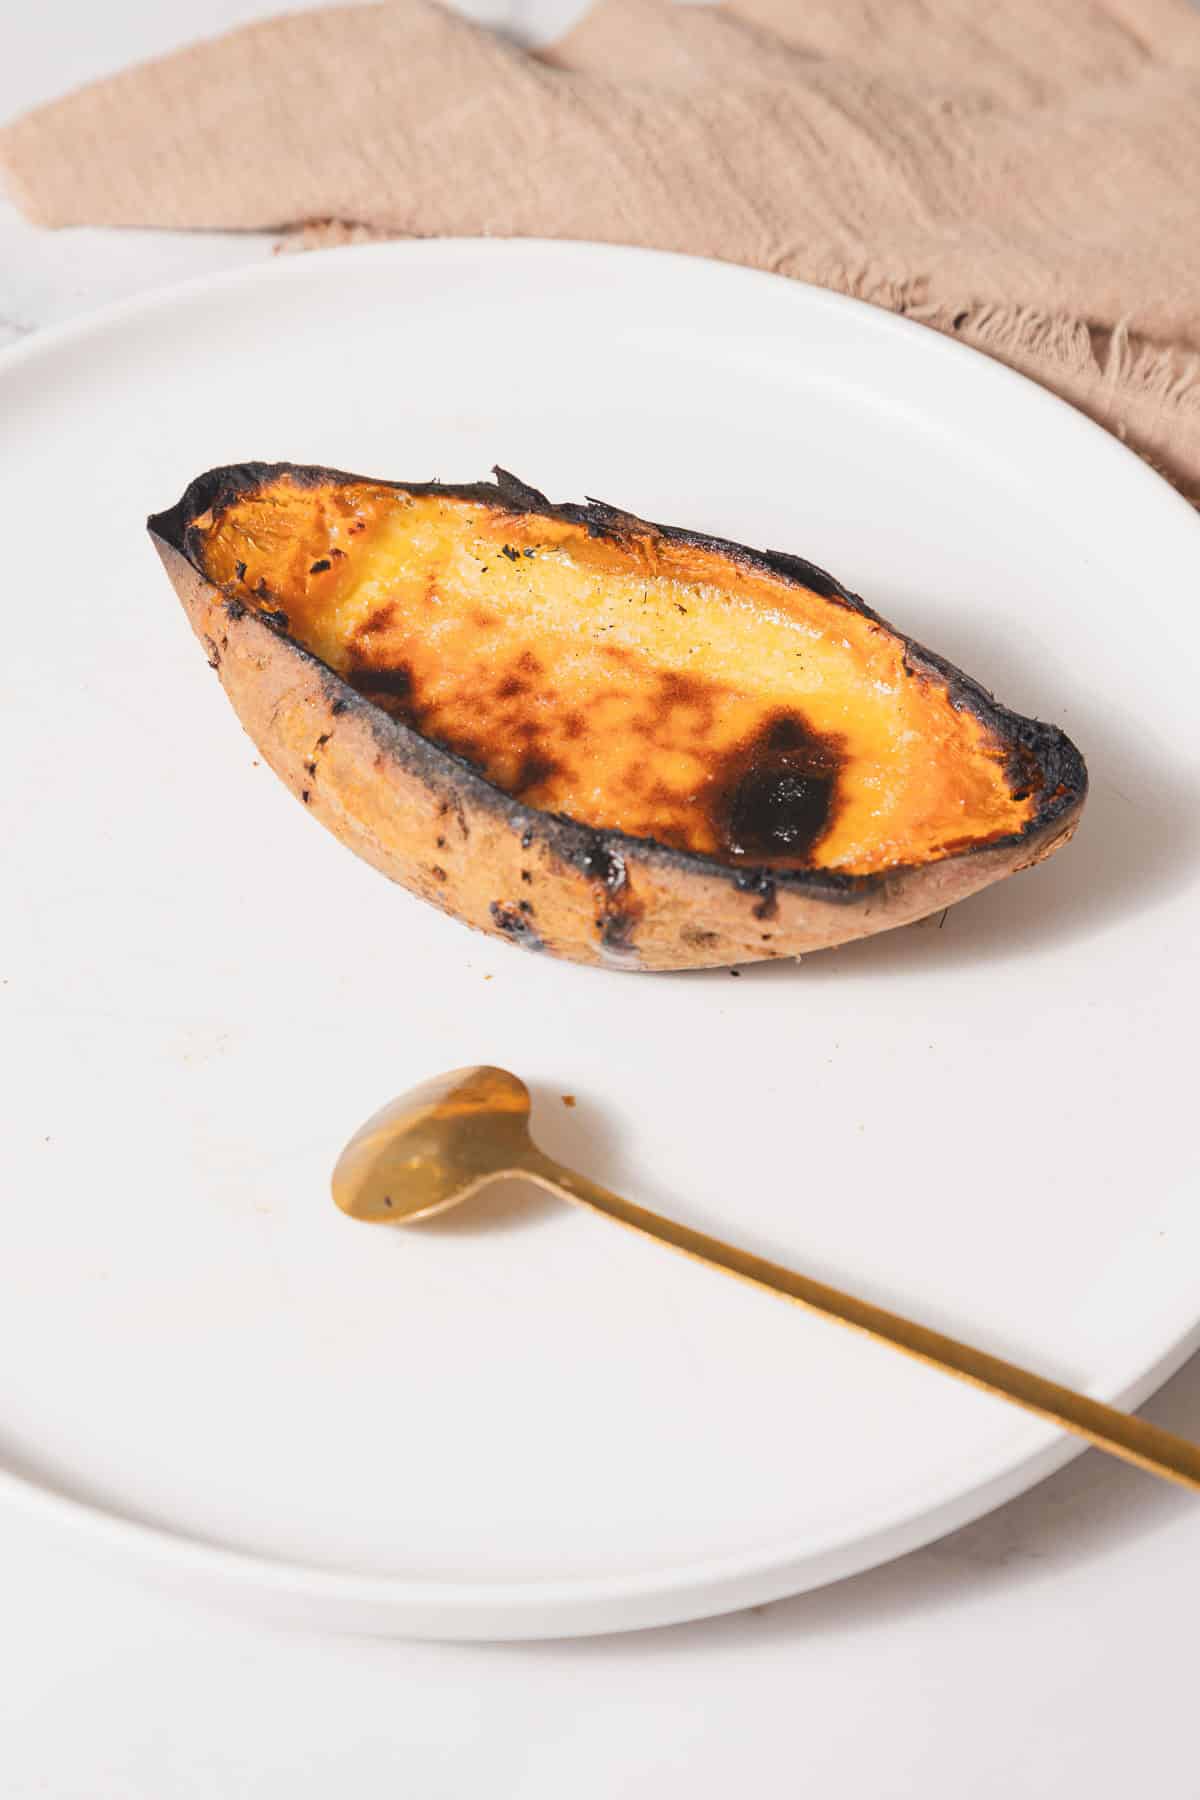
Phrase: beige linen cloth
pixel 1023 174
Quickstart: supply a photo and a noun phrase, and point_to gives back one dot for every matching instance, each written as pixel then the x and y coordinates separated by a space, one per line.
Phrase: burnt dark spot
pixel 735 971
pixel 235 610
pixel 438 873
pixel 310 765
pixel 274 615
pixel 336 552
pixel 617 909
pixel 239 569
pixel 527 837
pixel 762 883
pixel 574 726
pixel 513 923
pixel 375 622
pixel 512 555
pixel 337 707
pixel 777 797
pixel 319 567
pixel 600 863
pixel 511 687
pixel 306 795
pixel 395 683
pixel 779 811
pixel 787 733
pixel 212 653
pixel 527 553
pixel 525 907
pixel 960 320
pixel 533 770
pixel 699 940
pixel 527 877
pixel 440 842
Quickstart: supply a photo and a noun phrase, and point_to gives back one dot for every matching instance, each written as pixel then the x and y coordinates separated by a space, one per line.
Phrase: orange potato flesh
pixel 633 683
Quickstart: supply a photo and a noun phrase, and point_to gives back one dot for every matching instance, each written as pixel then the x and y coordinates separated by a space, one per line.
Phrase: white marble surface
pixel 1047 1650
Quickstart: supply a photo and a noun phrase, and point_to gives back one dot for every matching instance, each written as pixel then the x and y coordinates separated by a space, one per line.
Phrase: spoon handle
pixel 1121 1433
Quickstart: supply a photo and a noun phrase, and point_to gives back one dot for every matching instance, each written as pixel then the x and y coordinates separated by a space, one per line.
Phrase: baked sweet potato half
pixel 615 741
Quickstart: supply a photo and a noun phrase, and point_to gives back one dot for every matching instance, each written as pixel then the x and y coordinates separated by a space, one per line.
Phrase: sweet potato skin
pixel 432 823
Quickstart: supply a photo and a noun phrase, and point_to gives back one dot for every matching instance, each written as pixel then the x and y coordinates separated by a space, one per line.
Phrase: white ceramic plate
pixel 545 1426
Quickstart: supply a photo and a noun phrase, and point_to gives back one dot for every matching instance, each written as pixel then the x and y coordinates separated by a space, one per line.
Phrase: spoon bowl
pixel 436 1146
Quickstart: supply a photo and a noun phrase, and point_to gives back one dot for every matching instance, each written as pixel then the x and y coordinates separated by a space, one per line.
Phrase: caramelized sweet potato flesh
pixel 631 681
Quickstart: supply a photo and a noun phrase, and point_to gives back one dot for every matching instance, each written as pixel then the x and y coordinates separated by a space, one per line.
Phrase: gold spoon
pixel 447 1139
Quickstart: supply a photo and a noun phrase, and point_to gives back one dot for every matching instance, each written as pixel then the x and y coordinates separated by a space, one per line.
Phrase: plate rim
pixel 514 1611
pixel 523 1609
